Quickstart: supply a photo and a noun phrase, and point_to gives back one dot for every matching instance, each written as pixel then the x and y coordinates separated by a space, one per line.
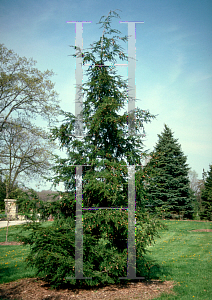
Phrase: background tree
pixel 26 154
pixel 25 91
pixel 196 185
pixel 14 195
pixel 206 196
pixel 201 186
pixel 193 181
pixel 106 148
pixel 166 176
pixel 46 195
pixel 25 94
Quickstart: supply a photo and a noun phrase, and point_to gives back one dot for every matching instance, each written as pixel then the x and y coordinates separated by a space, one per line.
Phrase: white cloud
pixel 197 76
pixel 176 67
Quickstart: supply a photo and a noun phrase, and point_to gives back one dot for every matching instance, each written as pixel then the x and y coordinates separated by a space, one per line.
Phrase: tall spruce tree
pixel 166 178
pixel 106 147
pixel 206 197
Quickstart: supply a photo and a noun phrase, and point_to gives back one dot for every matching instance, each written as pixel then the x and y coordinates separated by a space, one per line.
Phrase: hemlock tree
pixel 166 177
pixel 106 147
pixel 206 197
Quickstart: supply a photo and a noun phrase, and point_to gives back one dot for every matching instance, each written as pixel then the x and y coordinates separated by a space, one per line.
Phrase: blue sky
pixel 173 52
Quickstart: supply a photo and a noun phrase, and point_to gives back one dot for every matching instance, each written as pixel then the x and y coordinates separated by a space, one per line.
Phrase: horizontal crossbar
pixel 80 165
pixel 95 208
pixel 100 166
pixel 105 65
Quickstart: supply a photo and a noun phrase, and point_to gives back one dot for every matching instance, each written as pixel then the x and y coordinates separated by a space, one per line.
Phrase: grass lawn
pixel 186 258
pixel 12 264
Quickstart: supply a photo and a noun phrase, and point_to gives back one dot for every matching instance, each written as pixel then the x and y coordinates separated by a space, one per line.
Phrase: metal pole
pixel 131 268
pixel 79 133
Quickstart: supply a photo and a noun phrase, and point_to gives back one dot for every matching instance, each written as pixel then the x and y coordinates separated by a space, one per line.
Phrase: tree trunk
pixel 7 229
pixel 7 220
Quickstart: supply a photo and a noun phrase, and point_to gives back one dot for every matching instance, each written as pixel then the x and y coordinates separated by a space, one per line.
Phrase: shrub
pixel 104 248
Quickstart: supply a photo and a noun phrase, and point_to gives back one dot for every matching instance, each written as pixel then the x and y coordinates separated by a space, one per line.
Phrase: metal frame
pixel 131 267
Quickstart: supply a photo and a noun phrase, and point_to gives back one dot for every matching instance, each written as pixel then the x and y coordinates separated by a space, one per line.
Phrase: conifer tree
pixel 107 144
pixel 106 147
pixel 206 197
pixel 166 177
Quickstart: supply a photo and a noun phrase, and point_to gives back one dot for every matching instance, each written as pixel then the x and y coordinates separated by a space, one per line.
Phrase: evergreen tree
pixel 106 148
pixel 206 197
pixel 166 177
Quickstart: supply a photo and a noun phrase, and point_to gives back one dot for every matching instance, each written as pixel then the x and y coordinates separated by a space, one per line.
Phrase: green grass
pixel 12 258
pixel 185 257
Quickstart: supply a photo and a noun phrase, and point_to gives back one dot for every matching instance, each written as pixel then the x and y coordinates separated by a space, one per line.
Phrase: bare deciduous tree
pixel 193 178
pixel 26 154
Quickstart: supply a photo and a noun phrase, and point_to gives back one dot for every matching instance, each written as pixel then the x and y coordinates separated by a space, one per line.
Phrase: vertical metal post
pixel 131 268
pixel 79 133
pixel 131 77
pixel 79 226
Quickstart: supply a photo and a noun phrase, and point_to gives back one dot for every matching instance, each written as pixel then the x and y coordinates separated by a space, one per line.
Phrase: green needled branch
pixel 103 34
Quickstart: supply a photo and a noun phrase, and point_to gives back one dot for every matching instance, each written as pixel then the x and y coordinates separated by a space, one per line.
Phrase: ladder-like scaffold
pixel 131 267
